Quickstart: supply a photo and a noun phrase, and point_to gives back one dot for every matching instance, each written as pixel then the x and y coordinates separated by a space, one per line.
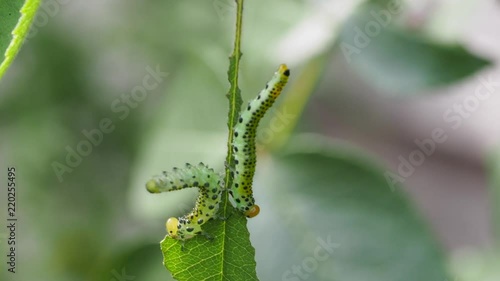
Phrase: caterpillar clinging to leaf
pixel 207 204
pixel 208 182
pixel 244 142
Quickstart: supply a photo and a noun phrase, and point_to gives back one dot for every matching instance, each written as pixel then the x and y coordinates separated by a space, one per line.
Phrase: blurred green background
pixel 351 117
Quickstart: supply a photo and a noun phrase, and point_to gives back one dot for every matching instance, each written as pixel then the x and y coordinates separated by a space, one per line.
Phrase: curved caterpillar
pixel 244 142
pixel 207 204
pixel 210 183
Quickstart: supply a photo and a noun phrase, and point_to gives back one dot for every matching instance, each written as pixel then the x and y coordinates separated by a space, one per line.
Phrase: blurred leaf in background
pixel 331 212
pixel 375 42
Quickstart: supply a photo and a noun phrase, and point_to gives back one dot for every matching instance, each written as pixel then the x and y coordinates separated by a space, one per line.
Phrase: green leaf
pixel 15 21
pixel 230 255
pixel 334 217
pixel 399 60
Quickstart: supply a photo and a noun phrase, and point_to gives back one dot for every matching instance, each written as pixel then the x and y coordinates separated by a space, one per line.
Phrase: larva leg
pixel 209 184
pixel 244 142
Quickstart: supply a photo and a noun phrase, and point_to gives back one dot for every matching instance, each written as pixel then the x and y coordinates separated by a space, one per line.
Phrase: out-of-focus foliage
pixel 97 222
pixel 472 265
pixel 330 207
pixel 397 60
pixel 494 172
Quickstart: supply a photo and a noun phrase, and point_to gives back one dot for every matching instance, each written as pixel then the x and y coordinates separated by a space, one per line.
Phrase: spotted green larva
pixel 210 183
pixel 207 204
pixel 244 142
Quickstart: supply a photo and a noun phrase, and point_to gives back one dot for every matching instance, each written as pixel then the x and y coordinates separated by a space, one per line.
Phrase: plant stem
pixel 235 101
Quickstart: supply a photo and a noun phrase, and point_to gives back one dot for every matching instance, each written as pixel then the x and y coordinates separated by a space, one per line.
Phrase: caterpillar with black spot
pixel 210 185
pixel 243 144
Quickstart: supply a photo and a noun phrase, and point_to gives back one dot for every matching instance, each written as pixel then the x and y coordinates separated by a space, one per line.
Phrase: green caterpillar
pixel 244 142
pixel 210 185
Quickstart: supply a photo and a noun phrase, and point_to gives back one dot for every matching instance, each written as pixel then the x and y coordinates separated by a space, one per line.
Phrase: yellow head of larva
pixel 152 186
pixel 283 69
pixel 172 228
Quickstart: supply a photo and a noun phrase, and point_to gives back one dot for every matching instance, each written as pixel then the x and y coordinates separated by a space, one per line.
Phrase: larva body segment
pixel 244 142
pixel 209 184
